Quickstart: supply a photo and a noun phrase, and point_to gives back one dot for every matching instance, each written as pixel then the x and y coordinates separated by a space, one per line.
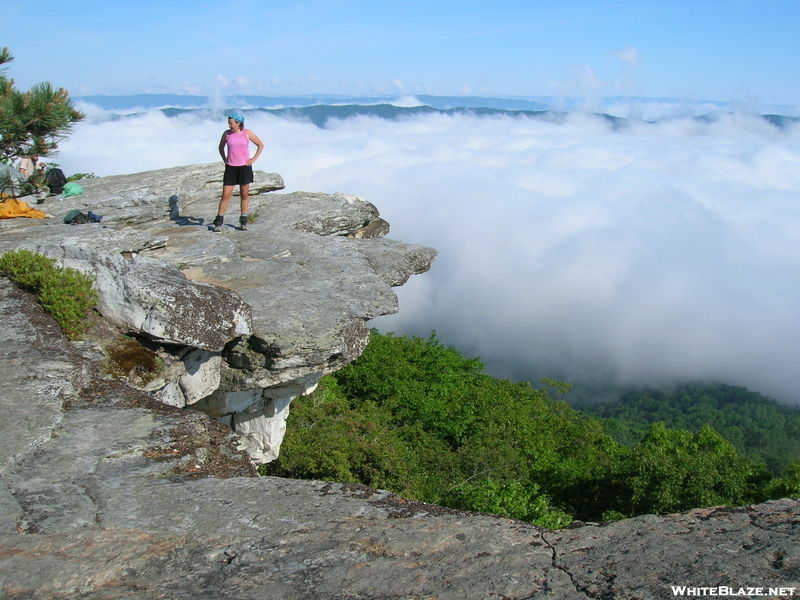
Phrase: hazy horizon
pixel 635 107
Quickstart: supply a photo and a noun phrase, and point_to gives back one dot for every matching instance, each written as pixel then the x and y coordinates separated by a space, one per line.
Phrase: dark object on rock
pixel 76 217
pixel 56 180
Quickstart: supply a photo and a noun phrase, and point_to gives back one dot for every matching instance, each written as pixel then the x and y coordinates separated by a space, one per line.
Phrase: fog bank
pixel 646 254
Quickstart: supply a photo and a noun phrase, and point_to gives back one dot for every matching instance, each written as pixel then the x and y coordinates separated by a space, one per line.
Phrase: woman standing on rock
pixel 238 166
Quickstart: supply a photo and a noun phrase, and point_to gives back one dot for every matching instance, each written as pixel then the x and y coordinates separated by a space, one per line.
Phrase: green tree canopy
pixel 757 426
pixel 415 417
pixel 32 122
pixel 675 470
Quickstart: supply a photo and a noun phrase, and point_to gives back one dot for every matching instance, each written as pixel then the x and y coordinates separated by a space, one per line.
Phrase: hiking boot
pixel 217 225
pixel 243 223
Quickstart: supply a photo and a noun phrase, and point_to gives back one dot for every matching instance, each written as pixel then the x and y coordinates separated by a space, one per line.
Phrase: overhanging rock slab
pixel 249 319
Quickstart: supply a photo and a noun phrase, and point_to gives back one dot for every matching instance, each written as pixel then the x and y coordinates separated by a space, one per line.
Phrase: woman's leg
pixel 244 194
pixel 227 192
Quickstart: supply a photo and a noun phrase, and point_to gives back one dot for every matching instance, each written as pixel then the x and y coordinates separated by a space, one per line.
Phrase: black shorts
pixel 238 175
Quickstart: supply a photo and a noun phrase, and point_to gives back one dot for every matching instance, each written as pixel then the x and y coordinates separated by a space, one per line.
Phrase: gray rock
pixel 247 320
pixel 107 494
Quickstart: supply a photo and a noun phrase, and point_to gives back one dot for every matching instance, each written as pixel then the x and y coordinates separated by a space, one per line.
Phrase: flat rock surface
pixel 105 494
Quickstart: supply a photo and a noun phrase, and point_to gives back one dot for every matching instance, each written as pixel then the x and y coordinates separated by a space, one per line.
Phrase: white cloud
pixel 407 101
pixel 629 56
pixel 645 254
pixel 582 81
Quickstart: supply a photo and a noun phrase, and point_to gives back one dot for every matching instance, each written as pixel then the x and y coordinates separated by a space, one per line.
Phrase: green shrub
pixel 508 499
pixel 675 470
pixel 66 294
pixel 79 176
pixel 787 486
pixel 327 439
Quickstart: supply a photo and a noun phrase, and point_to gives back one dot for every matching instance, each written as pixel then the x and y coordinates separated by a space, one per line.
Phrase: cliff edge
pixel 243 321
pixel 106 493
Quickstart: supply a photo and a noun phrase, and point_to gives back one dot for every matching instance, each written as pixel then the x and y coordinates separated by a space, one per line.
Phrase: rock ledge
pixel 245 321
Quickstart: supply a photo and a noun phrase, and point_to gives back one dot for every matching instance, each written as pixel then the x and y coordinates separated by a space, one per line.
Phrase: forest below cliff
pixel 415 417
pixel 758 426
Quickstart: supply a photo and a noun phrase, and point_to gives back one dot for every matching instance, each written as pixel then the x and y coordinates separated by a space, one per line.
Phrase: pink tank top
pixel 238 148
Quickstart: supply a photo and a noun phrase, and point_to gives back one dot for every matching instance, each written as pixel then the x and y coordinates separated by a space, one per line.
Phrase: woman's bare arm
pixel 259 146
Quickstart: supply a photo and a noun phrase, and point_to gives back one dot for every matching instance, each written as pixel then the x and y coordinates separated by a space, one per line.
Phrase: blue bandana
pixel 237 117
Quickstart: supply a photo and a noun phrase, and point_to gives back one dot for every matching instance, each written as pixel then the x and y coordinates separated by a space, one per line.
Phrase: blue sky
pixel 733 50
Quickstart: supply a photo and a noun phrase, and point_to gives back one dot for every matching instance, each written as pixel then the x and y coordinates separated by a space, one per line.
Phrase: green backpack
pixel 76 217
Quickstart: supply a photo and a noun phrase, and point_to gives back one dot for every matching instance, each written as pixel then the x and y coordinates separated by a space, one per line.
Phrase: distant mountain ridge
pixel 148 101
pixel 320 108
pixel 534 103
pixel 320 114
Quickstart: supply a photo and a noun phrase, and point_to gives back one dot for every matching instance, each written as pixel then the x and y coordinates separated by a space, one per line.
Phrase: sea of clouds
pixel 642 255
